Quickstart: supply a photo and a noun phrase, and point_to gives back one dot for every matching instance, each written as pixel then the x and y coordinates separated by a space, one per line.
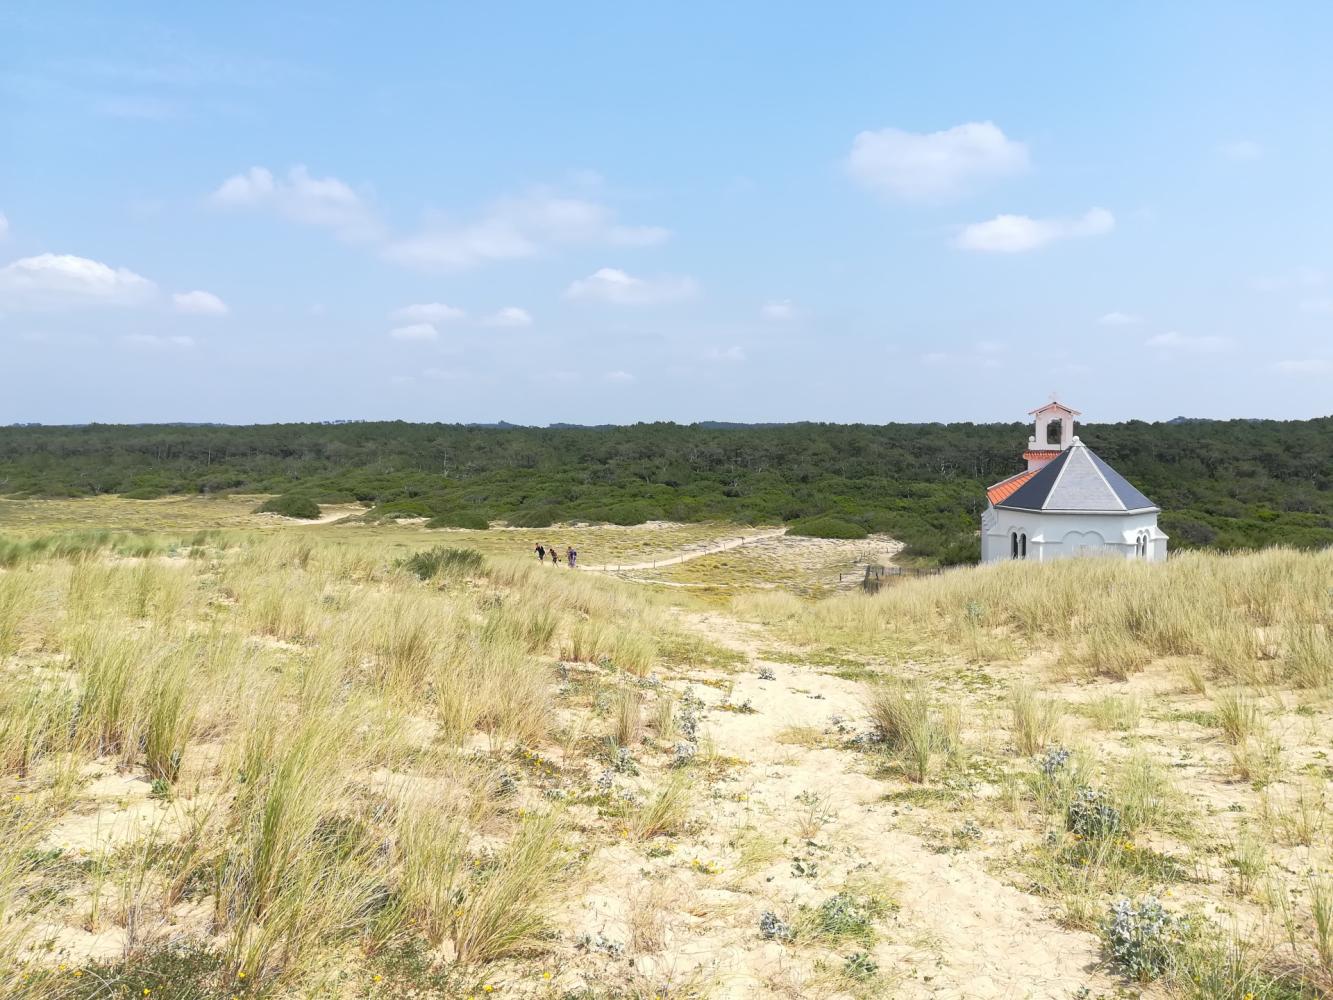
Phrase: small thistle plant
pixel 1091 814
pixel 1142 936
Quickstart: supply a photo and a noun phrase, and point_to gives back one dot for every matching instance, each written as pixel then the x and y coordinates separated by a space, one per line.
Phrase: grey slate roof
pixel 1078 481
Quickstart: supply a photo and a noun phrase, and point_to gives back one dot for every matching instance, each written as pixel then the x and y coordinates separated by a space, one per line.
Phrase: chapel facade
pixel 1067 502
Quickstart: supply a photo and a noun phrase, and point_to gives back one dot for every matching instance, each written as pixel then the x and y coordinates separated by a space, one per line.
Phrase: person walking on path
pixel 571 556
pixel 555 555
pixel 541 552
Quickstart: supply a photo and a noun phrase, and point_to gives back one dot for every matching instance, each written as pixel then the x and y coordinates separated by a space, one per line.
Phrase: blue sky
pixel 610 213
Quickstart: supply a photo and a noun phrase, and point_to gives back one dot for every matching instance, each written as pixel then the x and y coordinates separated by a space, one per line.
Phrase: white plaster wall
pixel 1057 536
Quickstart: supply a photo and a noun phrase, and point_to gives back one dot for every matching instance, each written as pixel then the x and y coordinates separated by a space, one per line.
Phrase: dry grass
pixel 308 717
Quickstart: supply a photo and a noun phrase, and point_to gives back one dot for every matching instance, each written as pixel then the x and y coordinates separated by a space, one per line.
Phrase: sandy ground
pixel 703 549
pixel 959 932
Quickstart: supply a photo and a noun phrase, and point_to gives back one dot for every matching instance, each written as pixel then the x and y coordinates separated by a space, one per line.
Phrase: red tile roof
pixel 1007 487
pixel 1049 453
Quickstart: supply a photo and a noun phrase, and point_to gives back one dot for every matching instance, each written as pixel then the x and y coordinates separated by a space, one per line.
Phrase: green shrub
pixel 630 514
pixel 397 510
pixel 460 519
pixel 291 505
pixel 826 527
pixel 540 517
pixel 444 562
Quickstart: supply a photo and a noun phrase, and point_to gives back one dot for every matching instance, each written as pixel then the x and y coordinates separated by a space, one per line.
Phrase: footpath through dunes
pixel 957 931
pixel 703 549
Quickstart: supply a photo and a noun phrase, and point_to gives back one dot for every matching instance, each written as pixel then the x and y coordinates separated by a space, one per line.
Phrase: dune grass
pixel 323 733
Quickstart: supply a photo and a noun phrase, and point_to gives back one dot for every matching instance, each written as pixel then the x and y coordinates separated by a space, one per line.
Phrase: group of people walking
pixel 571 555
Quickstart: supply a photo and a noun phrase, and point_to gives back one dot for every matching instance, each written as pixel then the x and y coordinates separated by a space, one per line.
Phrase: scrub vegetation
pixel 1224 484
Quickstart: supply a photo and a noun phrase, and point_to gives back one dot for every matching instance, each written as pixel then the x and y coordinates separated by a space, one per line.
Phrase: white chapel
pixel 1068 502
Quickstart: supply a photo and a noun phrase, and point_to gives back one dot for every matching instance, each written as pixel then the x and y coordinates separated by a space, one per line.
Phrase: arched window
pixel 1013 545
pixel 1023 545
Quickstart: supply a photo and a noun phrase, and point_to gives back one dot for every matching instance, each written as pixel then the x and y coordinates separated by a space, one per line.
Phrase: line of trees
pixel 1228 484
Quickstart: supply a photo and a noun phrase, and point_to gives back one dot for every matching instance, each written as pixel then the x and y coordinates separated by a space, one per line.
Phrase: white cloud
pixel 428 312
pixel 610 284
pixel 4 226
pixel 1306 366
pixel 508 316
pixel 415 331
pixel 779 310
pixel 933 165
pixel 618 376
pixel 314 201
pixel 1321 306
pixel 1119 319
pixel 730 354
pixel 519 227
pixel 199 303
pixel 1017 233
pixel 1241 149
pixel 152 342
pixel 1173 341
pixel 54 281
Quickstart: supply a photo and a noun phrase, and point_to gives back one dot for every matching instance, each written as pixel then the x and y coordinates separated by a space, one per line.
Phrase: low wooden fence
pixel 876 575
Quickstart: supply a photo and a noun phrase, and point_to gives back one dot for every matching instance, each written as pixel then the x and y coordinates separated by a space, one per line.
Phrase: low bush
pixel 291 505
pixel 826 527
pixel 444 562
pixel 460 519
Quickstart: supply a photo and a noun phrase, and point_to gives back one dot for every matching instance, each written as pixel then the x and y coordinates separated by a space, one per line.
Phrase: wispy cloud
pixel 934 165
pixel 1241 149
pixel 983 354
pixel 613 285
pixel 1019 233
pixel 153 342
pixel 1301 277
pixel 326 202
pixel 778 310
pixel 519 227
pixel 1119 319
pixel 142 108
pixel 57 281
pixel 618 376
pixel 508 316
pixel 731 355
pixel 415 331
pixel 428 312
pixel 199 303
pixel 1304 366
pixel 1173 342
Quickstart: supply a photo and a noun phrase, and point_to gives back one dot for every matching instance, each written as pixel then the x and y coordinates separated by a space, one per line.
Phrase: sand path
pixel 960 932
pixel 707 550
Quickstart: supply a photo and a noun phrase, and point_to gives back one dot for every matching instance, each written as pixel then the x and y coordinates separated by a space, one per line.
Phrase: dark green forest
pixel 1224 484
